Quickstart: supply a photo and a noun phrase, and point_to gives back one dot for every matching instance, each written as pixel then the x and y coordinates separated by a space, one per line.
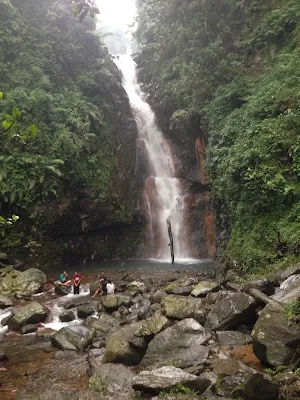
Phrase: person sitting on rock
pixel 76 282
pixel 99 290
pixel 110 287
pixel 64 279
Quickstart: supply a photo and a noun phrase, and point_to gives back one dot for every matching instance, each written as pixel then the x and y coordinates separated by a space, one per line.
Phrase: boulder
pixel 113 302
pixel 86 310
pixel 78 301
pixel 144 311
pixel 66 316
pixel 180 345
pixel 103 325
pixel 232 338
pixel 31 313
pixel 206 383
pixel 163 378
pixel 153 325
pixel 112 377
pixel 6 284
pixel 73 338
pixel 180 307
pixel 118 348
pixel 135 288
pixel 234 310
pixel 248 386
pixel 181 287
pixel 45 333
pixel 275 339
pixel 262 284
pixel 292 270
pixel 5 302
pixel 157 296
pixel 30 328
pixel 30 281
pixel 205 287
pixel 290 291
pixel 62 290
pixel 4 321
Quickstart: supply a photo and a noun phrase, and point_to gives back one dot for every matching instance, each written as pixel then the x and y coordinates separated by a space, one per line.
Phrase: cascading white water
pixel 162 192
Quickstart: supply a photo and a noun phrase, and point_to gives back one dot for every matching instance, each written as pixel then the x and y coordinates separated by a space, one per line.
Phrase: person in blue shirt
pixel 64 279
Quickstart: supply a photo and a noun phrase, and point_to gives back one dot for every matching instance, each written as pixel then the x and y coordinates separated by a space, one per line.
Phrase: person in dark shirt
pixel 103 280
pixel 76 282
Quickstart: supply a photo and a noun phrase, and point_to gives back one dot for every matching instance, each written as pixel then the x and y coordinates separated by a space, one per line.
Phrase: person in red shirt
pixel 76 282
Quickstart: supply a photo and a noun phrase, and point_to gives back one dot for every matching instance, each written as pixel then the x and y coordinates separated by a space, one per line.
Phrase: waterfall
pixel 163 197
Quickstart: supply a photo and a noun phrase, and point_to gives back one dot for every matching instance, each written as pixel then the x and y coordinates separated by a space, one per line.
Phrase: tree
pixel 85 7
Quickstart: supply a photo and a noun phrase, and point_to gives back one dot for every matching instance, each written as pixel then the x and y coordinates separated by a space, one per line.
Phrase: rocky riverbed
pixel 171 335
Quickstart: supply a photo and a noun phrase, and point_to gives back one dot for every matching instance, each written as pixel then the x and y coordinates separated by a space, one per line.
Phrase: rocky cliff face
pixel 81 227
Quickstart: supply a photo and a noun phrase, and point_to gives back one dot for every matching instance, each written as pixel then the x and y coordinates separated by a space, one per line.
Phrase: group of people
pixel 105 285
pixel 65 281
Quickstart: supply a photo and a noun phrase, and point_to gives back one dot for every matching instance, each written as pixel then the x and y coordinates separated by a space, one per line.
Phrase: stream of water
pixel 163 197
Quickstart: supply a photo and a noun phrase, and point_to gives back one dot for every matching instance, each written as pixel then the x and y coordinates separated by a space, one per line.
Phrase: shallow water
pixel 136 267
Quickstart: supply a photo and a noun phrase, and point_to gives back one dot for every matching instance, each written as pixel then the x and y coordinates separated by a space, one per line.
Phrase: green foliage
pixel 235 65
pixel 177 389
pixel 84 7
pixel 292 311
pixel 57 114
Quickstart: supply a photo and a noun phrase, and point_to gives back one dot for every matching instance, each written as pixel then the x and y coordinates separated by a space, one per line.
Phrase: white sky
pixel 119 13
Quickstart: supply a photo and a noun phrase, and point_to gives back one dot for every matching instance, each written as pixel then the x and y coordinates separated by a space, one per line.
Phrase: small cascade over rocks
pixel 163 196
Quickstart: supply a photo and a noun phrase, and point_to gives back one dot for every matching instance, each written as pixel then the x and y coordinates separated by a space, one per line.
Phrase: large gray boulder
pixel 234 310
pixel 180 345
pixel 163 378
pixel 275 339
pixel 5 302
pixel 30 281
pixel 119 349
pixel 73 338
pixel 31 313
pixel 177 307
